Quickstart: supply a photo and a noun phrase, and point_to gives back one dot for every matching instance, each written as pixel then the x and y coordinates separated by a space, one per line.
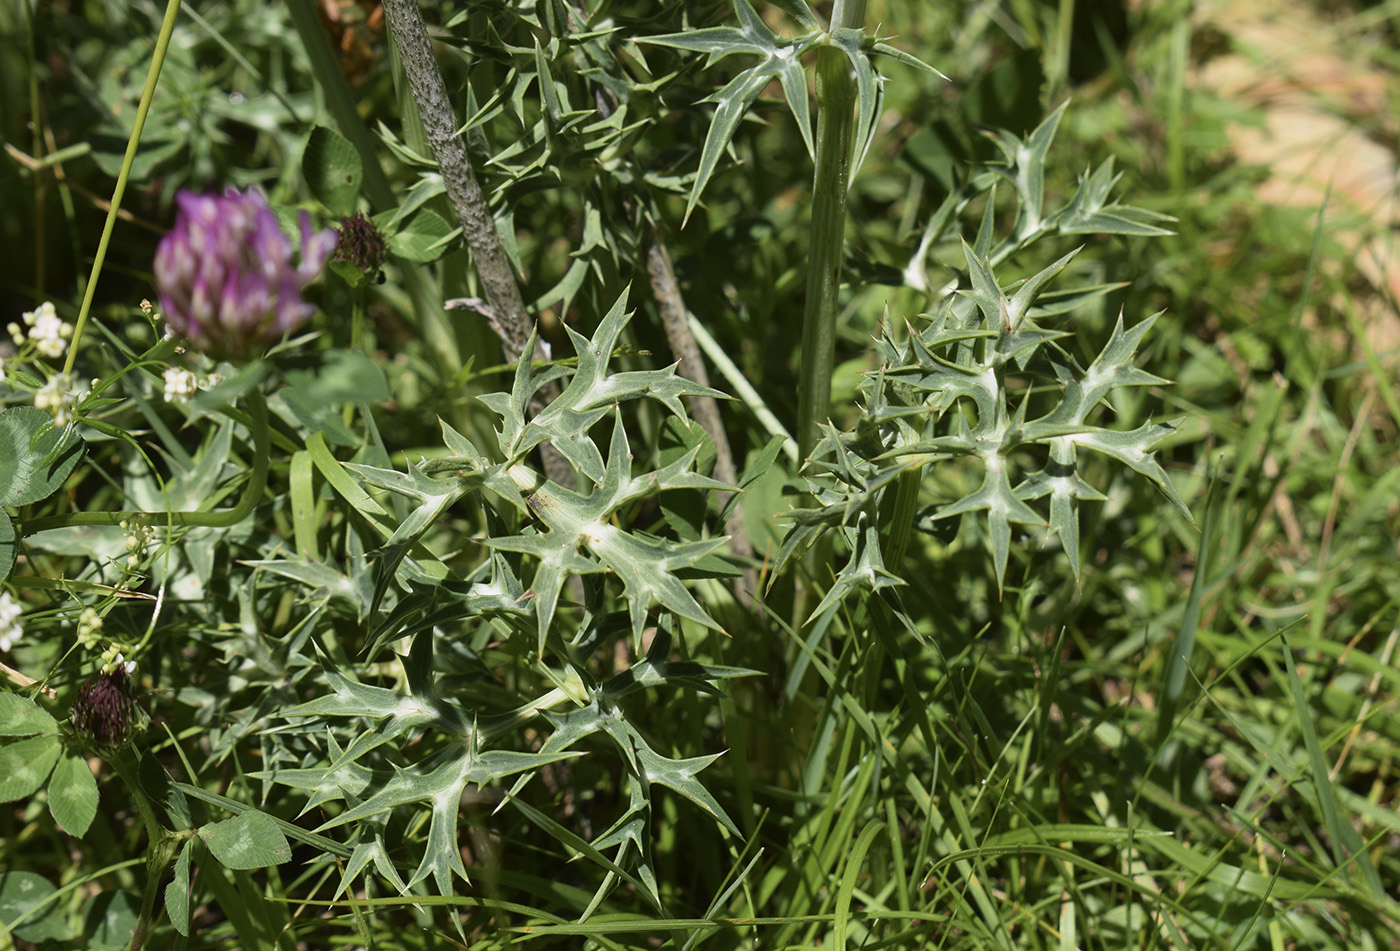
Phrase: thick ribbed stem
pixel 836 102
pixel 505 309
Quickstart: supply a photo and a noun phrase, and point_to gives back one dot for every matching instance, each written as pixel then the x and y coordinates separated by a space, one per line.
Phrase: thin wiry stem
pixel 669 301
pixel 167 28
pixel 225 518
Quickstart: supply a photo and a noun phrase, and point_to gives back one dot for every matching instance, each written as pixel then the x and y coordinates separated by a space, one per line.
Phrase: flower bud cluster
pixel 138 536
pixel 11 628
pixel 89 628
pixel 181 384
pixel 57 397
pixel 158 322
pixel 114 661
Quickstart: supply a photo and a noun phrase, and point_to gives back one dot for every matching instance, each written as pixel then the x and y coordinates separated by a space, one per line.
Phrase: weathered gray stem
pixel 506 310
pixel 479 226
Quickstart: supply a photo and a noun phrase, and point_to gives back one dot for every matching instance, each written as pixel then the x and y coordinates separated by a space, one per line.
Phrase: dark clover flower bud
pixel 105 711
pixel 225 273
pixel 361 244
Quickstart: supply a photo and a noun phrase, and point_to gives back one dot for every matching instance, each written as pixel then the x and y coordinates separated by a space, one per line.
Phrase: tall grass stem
pixel 167 28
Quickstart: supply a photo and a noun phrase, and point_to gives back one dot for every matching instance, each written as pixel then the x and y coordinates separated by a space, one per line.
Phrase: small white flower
pixel 10 627
pixel 49 332
pixel 15 333
pixel 180 385
pixel 56 396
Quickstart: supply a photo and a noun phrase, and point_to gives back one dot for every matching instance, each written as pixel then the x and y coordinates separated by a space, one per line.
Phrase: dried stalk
pixel 704 408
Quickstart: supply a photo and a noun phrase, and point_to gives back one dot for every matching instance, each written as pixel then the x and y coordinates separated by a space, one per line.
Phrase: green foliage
pixel 780 59
pixel 35 455
pixel 28 909
pixel 998 689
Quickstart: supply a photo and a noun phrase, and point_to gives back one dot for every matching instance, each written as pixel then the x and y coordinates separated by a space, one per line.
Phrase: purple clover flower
pixel 105 710
pixel 225 274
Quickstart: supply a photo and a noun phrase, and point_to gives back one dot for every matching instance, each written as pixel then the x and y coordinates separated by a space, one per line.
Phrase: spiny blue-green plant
pixel 985 376
pixel 566 534
pixel 392 639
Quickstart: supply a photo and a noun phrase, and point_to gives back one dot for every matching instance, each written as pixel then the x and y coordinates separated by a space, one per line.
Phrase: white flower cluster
pixel 180 385
pixel 10 626
pixel 57 397
pixel 113 660
pixel 48 332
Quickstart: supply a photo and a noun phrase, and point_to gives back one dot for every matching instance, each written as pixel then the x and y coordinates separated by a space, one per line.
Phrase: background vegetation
pixel 1190 743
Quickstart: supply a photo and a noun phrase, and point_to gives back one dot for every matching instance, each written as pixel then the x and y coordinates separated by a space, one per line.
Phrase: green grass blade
pixel 1346 844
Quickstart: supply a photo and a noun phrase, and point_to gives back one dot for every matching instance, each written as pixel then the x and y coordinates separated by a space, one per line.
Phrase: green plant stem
pixel 357 318
pixel 37 126
pixel 836 102
pixel 1057 65
pixel 159 853
pixel 167 27
pixel 897 517
pixel 252 492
